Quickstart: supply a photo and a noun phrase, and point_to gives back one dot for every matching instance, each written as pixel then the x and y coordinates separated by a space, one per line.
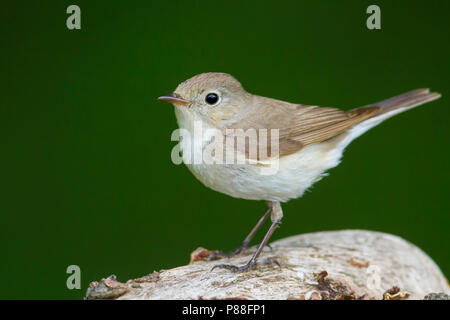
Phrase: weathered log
pixel 350 264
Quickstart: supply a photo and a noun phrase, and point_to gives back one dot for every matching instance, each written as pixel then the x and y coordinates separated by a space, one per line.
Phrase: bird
pixel 307 141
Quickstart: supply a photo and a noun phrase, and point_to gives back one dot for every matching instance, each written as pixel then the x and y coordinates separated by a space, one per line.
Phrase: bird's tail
pixel 389 108
pixel 405 101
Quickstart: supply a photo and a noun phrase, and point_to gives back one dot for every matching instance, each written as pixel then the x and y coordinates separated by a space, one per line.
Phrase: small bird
pixel 309 141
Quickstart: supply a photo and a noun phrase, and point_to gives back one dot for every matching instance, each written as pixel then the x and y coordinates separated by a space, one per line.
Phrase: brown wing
pixel 319 124
pixel 299 125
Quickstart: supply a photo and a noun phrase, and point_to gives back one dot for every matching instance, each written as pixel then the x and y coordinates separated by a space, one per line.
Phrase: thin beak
pixel 175 99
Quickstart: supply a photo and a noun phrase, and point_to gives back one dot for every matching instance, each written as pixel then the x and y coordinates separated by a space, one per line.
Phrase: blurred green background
pixel 86 175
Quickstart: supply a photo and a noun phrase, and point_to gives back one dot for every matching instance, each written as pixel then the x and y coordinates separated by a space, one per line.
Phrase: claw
pixel 252 263
pixel 216 255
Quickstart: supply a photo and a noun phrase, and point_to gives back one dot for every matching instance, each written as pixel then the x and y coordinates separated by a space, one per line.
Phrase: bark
pixel 350 264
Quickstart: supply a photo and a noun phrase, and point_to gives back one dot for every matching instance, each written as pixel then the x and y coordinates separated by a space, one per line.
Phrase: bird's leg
pixel 276 215
pixel 244 244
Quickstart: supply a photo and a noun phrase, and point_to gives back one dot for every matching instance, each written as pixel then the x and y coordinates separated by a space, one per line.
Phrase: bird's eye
pixel 211 98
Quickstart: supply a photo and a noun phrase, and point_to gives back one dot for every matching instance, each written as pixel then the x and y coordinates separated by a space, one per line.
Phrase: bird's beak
pixel 175 99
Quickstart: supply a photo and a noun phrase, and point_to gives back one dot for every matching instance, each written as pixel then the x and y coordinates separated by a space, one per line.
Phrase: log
pixel 349 264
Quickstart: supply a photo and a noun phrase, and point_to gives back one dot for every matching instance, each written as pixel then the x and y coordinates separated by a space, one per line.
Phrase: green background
pixel 86 175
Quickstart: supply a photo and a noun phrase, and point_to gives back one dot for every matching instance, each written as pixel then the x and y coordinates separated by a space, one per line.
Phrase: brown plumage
pixel 302 125
pixel 310 141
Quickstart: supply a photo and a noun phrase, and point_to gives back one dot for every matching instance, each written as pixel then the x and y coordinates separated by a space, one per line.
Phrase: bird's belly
pixel 294 175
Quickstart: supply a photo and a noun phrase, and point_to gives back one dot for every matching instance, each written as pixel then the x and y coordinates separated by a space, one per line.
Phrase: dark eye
pixel 211 98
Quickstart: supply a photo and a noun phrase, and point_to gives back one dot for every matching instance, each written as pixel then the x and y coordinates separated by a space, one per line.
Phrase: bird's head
pixel 216 97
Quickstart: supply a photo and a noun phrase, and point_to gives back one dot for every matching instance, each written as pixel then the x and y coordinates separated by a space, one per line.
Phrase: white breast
pixel 294 175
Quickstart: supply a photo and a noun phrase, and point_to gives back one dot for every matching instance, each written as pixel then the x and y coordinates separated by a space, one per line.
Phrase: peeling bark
pixel 350 264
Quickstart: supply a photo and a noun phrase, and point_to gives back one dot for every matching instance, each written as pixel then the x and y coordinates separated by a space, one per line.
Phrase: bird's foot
pixel 216 255
pixel 219 254
pixel 251 264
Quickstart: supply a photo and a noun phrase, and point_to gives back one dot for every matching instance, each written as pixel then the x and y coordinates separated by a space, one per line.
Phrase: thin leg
pixel 244 244
pixel 276 215
pixel 252 233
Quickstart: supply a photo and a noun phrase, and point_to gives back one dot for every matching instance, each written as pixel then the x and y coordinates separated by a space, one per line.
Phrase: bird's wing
pixel 318 124
pixel 298 125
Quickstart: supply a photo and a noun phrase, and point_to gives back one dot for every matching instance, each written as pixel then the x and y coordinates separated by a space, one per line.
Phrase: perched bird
pixel 309 140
